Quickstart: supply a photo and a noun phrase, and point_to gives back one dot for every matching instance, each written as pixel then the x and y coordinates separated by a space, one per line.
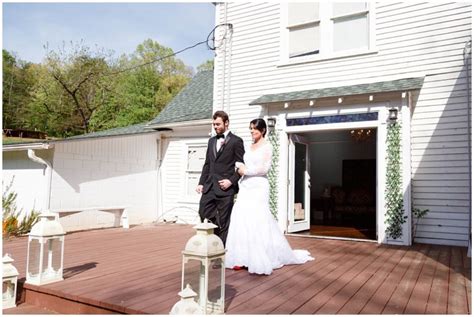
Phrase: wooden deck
pixel 138 271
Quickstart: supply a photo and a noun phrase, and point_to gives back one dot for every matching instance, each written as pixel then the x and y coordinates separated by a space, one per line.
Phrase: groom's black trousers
pixel 217 209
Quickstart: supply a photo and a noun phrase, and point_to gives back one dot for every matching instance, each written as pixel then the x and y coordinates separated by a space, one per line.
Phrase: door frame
pixel 298 225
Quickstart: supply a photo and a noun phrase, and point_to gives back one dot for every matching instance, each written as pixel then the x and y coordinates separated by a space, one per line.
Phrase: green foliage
pixel 273 173
pixel 207 65
pixel 17 84
pixel 394 216
pixel 10 221
pixel 77 89
pixel 418 214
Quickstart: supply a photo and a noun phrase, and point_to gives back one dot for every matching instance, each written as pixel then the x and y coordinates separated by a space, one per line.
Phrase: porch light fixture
pixel 271 122
pixel 44 263
pixel 311 103
pixel 371 98
pixel 286 105
pixel 10 281
pixel 203 268
pixel 392 114
pixel 340 100
pixel 187 305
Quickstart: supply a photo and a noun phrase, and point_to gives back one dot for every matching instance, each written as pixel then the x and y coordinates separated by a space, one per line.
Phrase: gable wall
pixel 412 39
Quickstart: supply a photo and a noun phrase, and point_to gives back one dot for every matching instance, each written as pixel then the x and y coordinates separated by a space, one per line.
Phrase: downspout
pixel 49 175
pixel 466 57
pixel 159 182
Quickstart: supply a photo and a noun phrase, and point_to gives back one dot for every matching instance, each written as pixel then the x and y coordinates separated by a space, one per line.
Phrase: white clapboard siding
pixel 411 38
pixel 177 206
pixel 104 172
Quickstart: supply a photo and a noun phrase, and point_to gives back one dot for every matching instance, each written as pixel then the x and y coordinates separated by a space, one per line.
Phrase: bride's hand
pixel 241 170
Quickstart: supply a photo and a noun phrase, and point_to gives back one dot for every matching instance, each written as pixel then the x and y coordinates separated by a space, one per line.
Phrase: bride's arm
pixel 263 165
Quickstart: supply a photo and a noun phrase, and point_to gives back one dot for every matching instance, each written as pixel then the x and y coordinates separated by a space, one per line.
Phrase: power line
pixel 210 36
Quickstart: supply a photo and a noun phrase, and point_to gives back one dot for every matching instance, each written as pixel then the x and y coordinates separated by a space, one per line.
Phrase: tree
pixel 145 82
pixel 17 83
pixel 207 65
pixel 80 73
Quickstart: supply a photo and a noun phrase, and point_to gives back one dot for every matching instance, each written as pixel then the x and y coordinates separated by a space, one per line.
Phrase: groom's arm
pixel 239 157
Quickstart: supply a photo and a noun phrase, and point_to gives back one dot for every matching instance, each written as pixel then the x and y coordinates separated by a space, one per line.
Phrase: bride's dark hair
pixel 260 125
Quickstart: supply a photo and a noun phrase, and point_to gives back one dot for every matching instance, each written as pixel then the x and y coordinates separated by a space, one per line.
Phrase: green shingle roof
pixel 194 102
pixel 131 129
pixel 382 86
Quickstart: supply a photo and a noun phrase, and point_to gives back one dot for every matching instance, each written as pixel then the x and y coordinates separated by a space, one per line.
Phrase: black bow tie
pixel 220 136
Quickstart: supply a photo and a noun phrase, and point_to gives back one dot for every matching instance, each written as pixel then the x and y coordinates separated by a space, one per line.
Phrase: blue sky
pixel 120 27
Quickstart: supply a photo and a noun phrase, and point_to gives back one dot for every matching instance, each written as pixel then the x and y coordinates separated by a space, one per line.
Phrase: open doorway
pixel 342 173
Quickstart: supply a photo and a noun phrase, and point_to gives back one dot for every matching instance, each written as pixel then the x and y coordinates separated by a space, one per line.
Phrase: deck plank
pixel 138 271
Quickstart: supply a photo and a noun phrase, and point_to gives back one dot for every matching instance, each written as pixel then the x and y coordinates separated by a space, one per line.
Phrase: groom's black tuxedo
pixel 221 165
pixel 216 204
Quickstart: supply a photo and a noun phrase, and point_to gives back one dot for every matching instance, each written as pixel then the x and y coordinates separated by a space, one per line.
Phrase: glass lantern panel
pixel 56 248
pixel 215 280
pixel 8 289
pixel 194 276
pixel 34 257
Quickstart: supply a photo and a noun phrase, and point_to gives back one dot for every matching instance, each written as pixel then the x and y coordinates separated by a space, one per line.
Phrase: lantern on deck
pixel 203 268
pixel 10 281
pixel 187 305
pixel 45 258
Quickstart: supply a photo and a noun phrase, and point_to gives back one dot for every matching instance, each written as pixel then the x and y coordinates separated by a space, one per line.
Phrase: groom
pixel 218 182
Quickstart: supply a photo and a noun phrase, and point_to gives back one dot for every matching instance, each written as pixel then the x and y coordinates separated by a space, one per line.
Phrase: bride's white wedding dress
pixel 254 239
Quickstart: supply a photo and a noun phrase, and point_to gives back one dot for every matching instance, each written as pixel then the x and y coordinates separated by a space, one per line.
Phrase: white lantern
pixel 204 269
pixel 45 258
pixel 187 305
pixel 10 278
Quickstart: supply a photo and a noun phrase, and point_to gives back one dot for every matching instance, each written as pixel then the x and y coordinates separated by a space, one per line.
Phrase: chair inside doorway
pixel 350 208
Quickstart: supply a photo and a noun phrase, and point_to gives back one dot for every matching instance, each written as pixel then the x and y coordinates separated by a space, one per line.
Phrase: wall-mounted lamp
pixel 286 105
pixel 271 122
pixel 340 100
pixel 392 114
pixel 311 103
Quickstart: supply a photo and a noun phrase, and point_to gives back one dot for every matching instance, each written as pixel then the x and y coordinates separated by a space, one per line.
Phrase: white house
pixel 149 169
pixel 328 74
pixel 325 71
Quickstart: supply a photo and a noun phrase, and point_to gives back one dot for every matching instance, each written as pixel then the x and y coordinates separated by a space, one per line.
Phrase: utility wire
pixel 210 36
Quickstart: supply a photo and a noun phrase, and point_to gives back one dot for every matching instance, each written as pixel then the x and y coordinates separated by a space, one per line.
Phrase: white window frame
pixel 185 197
pixel 326 22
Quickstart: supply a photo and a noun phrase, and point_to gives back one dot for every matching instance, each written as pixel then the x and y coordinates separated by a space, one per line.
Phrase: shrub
pixel 10 224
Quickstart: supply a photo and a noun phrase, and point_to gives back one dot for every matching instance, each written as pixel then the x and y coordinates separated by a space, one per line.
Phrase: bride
pixel 255 240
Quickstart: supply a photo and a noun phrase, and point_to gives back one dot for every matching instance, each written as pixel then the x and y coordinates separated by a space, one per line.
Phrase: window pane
pixel 304 41
pixel 191 183
pixel 196 157
pixel 342 8
pixel 351 33
pixel 302 12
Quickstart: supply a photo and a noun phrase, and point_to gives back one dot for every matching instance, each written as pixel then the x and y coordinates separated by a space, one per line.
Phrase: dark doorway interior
pixel 343 184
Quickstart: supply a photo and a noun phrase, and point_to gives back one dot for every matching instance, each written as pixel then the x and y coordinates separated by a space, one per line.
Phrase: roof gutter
pixel 183 124
pixel 27 146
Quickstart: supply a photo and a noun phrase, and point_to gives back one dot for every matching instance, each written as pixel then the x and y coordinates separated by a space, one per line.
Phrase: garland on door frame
pixel 273 173
pixel 394 216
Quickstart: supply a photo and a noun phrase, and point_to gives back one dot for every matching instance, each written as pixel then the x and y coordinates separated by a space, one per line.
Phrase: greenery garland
pixel 273 173
pixel 394 216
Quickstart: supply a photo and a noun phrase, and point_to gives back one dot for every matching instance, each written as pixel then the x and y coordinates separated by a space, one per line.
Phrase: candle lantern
pixel 187 305
pixel 44 263
pixel 10 281
pixel 204 269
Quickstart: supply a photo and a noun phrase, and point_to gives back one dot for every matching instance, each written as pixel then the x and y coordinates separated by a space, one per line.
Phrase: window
pixel 316 30
pixel 196 155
